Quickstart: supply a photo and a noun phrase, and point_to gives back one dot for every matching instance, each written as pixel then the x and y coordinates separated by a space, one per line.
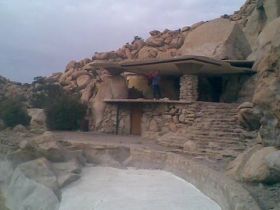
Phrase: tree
pixel 13 112
pixel 65 113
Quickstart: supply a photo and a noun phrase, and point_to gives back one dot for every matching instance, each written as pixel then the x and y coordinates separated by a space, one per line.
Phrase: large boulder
pixel 6 169
pixel 269 132
pixel 258 15
pixel 252 166
pixel 33 186
pixel 257 170
pixel 38 119
pixel 112 87
pixel 47 145
pixel 88 92
pixel 219 38
pixel 273 161
pixel 147 52
pixel 267 39
pixel 272 9
pixel 254 25
pixel 155 40
pixel 236 166
pixel 72 64
pixel 140 83
pixel 20 129
pixel 20 156
pixel 268 84
pixel 83 80
pixel 67 172
pixel 248 117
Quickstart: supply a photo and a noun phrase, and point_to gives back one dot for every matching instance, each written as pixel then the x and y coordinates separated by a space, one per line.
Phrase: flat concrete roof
pixel 196 65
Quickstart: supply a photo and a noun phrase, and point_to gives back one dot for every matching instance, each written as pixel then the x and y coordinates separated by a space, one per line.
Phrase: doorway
pixel 135 120
pixel 210 89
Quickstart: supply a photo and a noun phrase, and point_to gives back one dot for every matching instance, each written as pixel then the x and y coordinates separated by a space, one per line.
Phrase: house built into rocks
pixel 199 104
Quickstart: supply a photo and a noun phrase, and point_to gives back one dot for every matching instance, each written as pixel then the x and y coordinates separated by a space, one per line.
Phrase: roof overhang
pixel 196 65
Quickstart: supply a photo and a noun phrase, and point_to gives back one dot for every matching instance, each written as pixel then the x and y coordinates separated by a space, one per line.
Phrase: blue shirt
pixel 156 80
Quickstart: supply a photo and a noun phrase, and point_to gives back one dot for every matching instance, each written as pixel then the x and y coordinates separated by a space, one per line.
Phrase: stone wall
pixel 188 88
pixel 108 124
pixel 160 119
pixel 157 119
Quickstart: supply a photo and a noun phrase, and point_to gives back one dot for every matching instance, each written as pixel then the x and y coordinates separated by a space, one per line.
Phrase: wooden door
pixel 135 120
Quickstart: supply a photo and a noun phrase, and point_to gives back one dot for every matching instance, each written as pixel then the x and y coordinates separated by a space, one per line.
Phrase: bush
pixel 13 112
pixel 44 94
pixel 65 113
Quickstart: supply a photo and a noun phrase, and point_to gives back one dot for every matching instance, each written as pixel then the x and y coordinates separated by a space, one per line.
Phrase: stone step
pixel 221 146
pixel 215 131
pixel 171 144
pixel 219 129
pixel 213 155
pixel 214 134
pixel 206 140
pixel 219 111
pixel 202 145
pixel 217 105
pixel 216 120
pixel 210 138
pixel 215 115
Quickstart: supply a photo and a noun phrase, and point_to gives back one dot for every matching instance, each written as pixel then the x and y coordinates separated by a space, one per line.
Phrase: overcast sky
pixel 39 37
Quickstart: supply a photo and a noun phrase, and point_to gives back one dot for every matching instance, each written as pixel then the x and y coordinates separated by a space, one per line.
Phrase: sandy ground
pixel 104 188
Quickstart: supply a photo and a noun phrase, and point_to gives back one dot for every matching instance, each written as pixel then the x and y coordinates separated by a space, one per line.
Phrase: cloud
pixel 39 37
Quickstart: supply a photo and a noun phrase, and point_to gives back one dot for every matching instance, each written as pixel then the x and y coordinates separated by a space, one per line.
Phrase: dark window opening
pixel 223 89
pixel 170 87
pixel 210 89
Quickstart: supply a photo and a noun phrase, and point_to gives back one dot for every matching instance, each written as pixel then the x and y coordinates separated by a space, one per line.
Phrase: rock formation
pixel 38 119
pixel 13 89
pixel 259 164
pixel 220 39
pixel 34 168
pixel 251 33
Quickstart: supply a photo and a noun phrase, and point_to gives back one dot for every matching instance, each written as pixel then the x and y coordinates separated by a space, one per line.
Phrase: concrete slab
pixel 105 188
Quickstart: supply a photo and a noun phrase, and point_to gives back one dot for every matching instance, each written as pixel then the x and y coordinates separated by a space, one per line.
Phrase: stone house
pixel 191 80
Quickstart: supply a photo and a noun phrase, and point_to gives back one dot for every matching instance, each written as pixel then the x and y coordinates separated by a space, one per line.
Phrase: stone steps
pixel 215 132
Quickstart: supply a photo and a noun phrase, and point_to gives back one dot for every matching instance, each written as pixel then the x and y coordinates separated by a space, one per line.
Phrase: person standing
pixel 155 85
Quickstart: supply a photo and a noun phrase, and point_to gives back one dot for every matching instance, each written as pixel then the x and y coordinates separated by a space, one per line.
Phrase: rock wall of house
pixel 157 119
pixel 160 119
pixel 188 88
pixel 108 124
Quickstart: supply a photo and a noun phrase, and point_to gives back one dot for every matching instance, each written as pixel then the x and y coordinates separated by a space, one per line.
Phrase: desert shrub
pixel 65 113
pixel 43 94
pixel 13 112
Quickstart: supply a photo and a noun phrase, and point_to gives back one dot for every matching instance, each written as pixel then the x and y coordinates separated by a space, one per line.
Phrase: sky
pixel 39 37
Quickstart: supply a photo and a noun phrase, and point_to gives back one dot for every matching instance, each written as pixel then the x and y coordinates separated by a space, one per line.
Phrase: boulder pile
pixel 35 168
pixel 13 89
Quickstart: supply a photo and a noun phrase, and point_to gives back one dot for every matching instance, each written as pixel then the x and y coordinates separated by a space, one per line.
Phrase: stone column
pixel 188 87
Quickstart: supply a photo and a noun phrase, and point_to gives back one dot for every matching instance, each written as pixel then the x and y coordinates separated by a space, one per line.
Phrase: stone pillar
pixel 188 87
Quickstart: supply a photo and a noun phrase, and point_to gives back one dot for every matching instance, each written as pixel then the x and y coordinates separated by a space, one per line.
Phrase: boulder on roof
pixel 219 38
